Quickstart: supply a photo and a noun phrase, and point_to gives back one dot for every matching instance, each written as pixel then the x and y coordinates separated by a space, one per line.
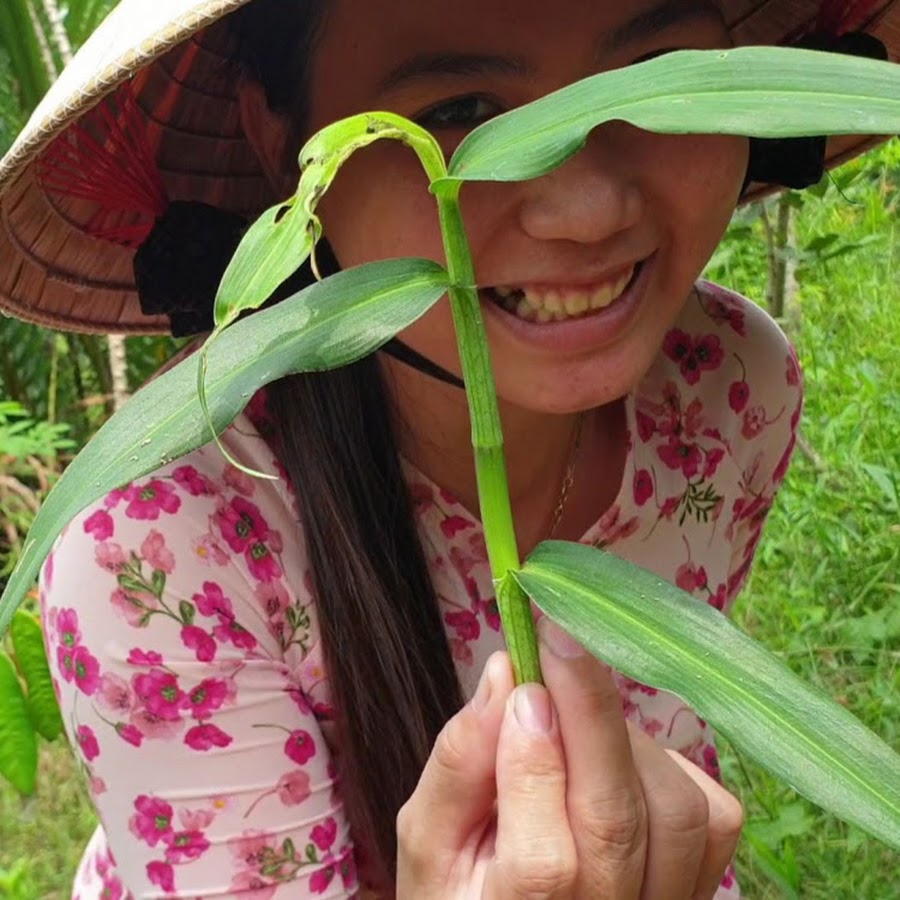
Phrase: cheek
pixel 379 208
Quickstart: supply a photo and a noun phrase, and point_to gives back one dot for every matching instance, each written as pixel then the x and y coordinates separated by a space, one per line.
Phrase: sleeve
pixel 769 401
pixel 178 647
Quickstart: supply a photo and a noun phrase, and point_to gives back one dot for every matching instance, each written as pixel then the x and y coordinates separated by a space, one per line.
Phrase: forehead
pixel 362 40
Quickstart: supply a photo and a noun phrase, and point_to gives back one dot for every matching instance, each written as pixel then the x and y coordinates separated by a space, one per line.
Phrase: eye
pixel 461 112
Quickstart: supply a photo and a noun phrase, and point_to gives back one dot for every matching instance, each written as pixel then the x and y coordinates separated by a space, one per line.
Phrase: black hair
pixel 392 676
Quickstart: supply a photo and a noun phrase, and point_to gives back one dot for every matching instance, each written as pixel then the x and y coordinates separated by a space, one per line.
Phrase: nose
pixel 590 198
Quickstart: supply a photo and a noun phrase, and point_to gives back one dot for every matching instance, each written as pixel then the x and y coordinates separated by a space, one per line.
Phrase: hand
pixel 528 796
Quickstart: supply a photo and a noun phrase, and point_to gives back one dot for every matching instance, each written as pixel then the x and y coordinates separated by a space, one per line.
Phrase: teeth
pixel 550 305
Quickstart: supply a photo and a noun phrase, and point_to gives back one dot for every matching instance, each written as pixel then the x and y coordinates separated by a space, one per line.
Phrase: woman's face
pixel 632 208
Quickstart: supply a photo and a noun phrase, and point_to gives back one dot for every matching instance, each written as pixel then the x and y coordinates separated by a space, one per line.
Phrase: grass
pixel 824 592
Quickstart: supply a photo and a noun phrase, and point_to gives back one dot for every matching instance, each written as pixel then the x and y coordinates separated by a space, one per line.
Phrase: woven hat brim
pixel 53 273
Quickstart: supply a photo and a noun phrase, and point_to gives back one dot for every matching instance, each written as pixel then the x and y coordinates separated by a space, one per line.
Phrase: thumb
pixel 456 792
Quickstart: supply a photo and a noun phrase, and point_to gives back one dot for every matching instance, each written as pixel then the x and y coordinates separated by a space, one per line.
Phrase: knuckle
pixel 545 874
pixel 408 827
pixel 684 812
pixel 614 828
pixel 450 752
pixel 726 819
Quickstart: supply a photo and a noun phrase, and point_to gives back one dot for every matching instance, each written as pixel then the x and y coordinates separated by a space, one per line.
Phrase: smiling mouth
pixel 537 303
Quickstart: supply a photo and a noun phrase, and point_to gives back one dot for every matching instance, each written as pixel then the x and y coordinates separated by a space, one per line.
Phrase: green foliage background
pixel 824 592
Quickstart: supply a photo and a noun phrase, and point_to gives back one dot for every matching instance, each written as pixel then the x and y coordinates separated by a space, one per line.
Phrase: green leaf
pixel 655 633
pixel 187 611
pixel 28 644
pixel 329 324
pixel 757 91
pixel 18 739
pixel 280 240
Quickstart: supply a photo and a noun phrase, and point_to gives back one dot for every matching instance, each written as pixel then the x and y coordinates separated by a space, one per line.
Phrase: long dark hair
pixel 392 677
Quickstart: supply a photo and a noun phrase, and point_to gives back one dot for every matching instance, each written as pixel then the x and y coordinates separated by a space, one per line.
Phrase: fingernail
pixel 482 695
pixel 557 641
pixel 531 704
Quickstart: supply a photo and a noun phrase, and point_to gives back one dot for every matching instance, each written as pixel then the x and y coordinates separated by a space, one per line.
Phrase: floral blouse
pixel 181 621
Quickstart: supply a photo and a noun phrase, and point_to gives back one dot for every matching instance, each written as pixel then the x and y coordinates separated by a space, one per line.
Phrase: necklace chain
pixel 568 478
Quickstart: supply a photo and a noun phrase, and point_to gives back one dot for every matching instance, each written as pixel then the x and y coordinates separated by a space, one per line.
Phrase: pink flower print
pixel 262 564
pixel 712 458
pixel 155 552
pixel 204 699
pixel 99 525
pixel 421 495
pixel 147 501
pixel 792 369
pixel 645 425
pixel 162 875
pixel 133 607
pixel 461 651
pixel 273 598
pixel 212 602
pixel 130 734
pixel 196 819
pixel 250 885
pixel 113 498
pixel 320 879
pixel 201 642
pixel 738 395
pixel 348 869
pixel 299 697
pixel 300 747
pixel 643 486
pixel 67 628
pixel 691 578
pixel 138 657
pixel 718 599
pixel 87 741
pixel 693 356
pixel 293 787
pixel 154 727
pixel 183 846
pixel 110 556
pixel 97 786
pixel 208 551
pixel 250 848
pixel 489 609
pixel 754 422
pixel 711 763
pixel 241 523
pixel 679 455
pixel 112 888
pixel 692 420
pixel 464 623
pixel 725 312
pixel 229 631
pixel 238 480
pixel 190 480
pixel 452 525
pixel 160 694
pixel 85 671
pixel 152 821
pixel 323 835
pixel 206 736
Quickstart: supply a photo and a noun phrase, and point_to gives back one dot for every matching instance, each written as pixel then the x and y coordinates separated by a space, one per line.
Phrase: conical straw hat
pixel 54 273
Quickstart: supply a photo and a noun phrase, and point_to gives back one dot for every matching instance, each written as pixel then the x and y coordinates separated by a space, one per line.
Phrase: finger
pixel 677 818
pixel 605 800
pixel 726 818
pixel 457 781
pixel 535 853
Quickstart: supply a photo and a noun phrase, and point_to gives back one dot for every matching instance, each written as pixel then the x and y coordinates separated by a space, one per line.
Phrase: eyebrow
pixel 424 66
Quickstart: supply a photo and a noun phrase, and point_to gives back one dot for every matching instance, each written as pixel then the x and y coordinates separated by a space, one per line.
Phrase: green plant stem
pixel 487 442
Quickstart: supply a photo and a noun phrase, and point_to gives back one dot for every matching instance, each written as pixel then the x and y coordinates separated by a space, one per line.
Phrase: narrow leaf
pixel 281 239
pixel 754 91
pixel 28 644
pixel 655 633
pixel 329 324
pixel 18 740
